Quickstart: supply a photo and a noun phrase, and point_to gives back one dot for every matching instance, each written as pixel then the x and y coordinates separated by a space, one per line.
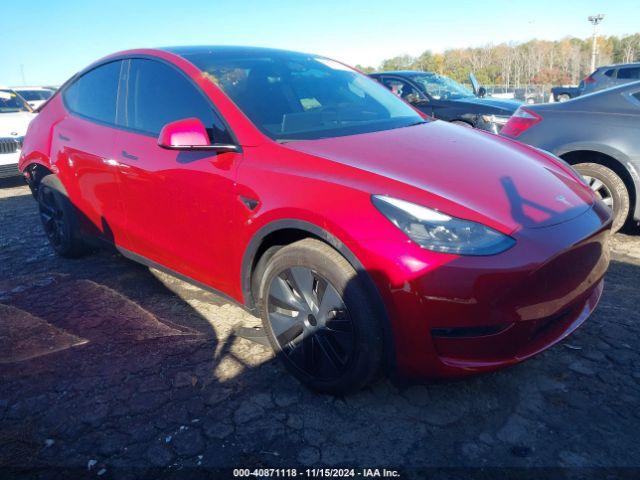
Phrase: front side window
pixel 158 94
pixel 11 102
pixel 292 96
pixel 442 88
pixel 402 89
pixel 94 95
pixel 629 73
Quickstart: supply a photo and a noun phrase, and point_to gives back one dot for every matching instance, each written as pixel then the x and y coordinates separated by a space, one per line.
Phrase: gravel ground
pixel 109 369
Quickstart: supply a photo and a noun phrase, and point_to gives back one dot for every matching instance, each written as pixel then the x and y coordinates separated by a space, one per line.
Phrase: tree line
pixel 536 62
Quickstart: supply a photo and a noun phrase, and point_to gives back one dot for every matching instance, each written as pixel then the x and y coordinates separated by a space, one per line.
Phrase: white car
pixel 15 115
pixel 35 96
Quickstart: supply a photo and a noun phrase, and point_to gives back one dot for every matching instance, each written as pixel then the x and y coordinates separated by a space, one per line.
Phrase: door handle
pixel 129 156
pixel 63 138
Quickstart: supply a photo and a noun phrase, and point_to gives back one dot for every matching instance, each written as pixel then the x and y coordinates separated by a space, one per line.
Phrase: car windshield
pixel 292 96
pixel 10 102
pixel 441 88
pixel 35 95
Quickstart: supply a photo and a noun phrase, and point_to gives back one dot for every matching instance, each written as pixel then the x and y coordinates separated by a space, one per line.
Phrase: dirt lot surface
pixel 108 369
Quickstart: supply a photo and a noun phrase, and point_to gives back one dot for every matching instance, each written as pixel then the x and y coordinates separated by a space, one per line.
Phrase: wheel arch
pixel 35 173
pixel 615 161
pixel 286 231
pixel 283 232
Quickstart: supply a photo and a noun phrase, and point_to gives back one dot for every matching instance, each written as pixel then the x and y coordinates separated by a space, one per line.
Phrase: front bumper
pixel 454 316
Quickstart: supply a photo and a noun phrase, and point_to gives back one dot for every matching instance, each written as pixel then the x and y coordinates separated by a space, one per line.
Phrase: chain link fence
pixel 524 93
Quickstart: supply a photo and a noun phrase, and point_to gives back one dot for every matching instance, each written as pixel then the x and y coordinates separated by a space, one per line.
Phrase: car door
pixel 82 151
pixel 179 204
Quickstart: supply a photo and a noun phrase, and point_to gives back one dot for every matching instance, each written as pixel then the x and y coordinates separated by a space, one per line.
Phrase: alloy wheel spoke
pixel 339 323
pixel 329 352
pixel 48 221
pixel 608 201
pixel 290 334
pixel 47 210
pixel 309 351
pixel 302 280
pixel 281 294
pixel 301 353
pixel 329 302
pixel 281 321
pixel 596 185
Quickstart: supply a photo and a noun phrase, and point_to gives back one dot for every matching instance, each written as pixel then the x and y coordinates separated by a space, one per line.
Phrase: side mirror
pixel 189 134
pixel 482 92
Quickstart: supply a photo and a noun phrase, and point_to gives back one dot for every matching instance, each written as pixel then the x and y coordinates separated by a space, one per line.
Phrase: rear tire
pixel 60 223
pixel 318 317
pixel 610 188
pixel 563 97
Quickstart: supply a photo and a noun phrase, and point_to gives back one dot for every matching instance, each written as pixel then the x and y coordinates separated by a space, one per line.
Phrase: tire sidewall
pixel 617 187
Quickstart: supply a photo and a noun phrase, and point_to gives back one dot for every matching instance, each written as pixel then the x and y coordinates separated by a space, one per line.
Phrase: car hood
pixel 499 104
pixel 14 124
pixel 510 184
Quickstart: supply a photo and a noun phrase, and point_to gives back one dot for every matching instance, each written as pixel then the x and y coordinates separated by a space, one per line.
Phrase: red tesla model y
pixel 367 237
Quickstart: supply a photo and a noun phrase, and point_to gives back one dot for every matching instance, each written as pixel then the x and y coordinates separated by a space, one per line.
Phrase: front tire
pixel 610 188
pixel 60 223
pixel 318 318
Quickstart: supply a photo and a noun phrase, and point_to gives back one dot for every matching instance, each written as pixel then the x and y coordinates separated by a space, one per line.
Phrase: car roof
pixel 619 65
pixel 403 73
pixel 226 49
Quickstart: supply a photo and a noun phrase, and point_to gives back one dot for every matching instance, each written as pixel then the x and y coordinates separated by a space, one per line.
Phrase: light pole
pixel 595 21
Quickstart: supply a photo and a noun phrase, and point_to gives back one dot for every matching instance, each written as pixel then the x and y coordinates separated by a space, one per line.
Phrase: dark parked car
pixel 562 94
pixel 444 98
pixel 597 134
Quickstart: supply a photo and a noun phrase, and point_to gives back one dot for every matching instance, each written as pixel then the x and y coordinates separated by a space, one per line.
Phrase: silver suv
pixel 610 76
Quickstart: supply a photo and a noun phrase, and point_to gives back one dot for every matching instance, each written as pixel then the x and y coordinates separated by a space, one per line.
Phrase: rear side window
pixel 609 73
pixel 629 73
pixel 94 95
pixel 158 94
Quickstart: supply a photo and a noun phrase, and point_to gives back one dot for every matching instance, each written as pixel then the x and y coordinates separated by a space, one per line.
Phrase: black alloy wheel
pixel 321 316
pixel 60 223
pixel 311 323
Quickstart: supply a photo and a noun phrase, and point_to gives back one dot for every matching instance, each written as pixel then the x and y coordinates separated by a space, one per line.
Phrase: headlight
pixel 439 232
pixel 496 119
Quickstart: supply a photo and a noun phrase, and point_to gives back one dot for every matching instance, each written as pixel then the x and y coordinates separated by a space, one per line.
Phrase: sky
pixel 44 42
